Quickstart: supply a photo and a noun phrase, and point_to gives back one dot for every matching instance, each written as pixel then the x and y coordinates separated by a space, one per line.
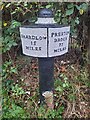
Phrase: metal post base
pixel 46 76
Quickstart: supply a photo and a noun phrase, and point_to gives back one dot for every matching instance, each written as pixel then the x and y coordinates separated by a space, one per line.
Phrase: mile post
pixel 45 40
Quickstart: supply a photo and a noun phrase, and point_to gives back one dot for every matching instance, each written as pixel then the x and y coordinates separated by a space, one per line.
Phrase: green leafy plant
pixel 10 34
pixel 50 114
pixel 8 69
pixel 70 14
pixel 8 42
pixel 62 84
pixel 13 112
pixel 16 90
pixel 18 104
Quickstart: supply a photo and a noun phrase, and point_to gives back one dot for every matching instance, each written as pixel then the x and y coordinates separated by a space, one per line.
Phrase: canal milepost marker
pixel 45 40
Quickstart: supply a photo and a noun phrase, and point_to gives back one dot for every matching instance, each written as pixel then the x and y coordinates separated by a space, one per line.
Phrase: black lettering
pixel 65 38
pixel 60 44
pixel 31 43
pixel 34 42
pixel 37 38
pixel 55 51
pixel 56 34
pixel 31 48
pixel 29 37
pixel 40 38
pixel 55 40
pixel 36 48
pixel 52 34
pixel 61 39
pixel 33 37
pixel 26 36
pixel 44 37
pixel 27 47
pixel 67 32
pixel 23 36
pixel 40 48
pixel 64 48
pixel 62 33
pixel 59 34
pixel 59 49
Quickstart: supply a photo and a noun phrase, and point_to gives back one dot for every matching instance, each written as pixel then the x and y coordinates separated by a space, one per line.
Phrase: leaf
pixel 59 14
pixel 73 22
pixel 5 24
pixel 77 20
pixel 78 7
pixel 56 104
pixel 25 4
pixel 64 21
pixel 84 6
pixel 13 12
pixel 70 5
pixel 15 24
pixel 65 78
pixel 14 44
pixel 81 11
pixel 8 5
pixel 13 70
pixel 62 75
pixel 60 89
pixel 1 7
pixel 48 6
pixel 70 11
pixel 64 85
pixel 71 97
pixel 58 10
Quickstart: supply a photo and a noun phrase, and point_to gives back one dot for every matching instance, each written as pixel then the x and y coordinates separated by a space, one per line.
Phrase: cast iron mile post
pixel 45 39
pixel 46 65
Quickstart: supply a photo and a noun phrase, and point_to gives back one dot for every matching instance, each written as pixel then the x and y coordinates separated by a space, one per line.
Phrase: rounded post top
pixel 45 13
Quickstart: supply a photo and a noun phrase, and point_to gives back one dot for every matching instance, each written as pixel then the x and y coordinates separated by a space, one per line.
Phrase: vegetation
pixel 20 73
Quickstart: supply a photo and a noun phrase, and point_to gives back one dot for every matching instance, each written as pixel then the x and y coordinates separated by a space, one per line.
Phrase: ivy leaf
pixel 25 4
pixel 60 89
pixel 8 5
pixel 13 12
pixel 81 11
pixel 13 70
pixel 64 85
pixel 69 11
pixel 48 6
pixel 14 43
pixel 64 20
pixel 84 6
pixel 78 7
pixel 73 22
pixel 15 24
pixel 5 24
pixel 71 5
pixel 77 20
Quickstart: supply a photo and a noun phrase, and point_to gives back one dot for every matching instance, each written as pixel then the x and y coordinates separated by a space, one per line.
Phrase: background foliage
pixel 17 101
